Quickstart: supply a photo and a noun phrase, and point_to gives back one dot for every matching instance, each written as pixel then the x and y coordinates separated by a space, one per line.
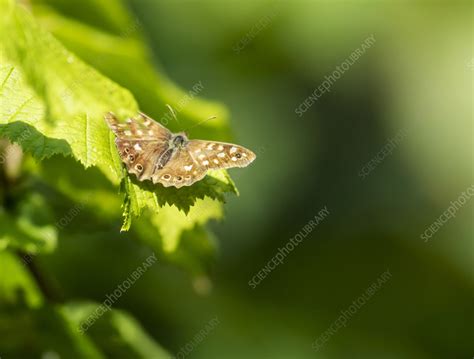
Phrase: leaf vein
pixel 7 77
pixel 19 109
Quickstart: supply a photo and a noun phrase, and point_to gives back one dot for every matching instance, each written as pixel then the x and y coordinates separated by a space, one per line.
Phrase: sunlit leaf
pixel 54 104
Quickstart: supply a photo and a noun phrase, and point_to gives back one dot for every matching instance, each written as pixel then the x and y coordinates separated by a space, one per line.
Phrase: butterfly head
pixel 179 140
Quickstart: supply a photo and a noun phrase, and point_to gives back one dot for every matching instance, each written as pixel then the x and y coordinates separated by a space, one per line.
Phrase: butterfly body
pixel 152 152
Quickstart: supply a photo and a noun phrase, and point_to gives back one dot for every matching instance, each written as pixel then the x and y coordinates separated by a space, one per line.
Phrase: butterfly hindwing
pixel 180 170
pixel 141 157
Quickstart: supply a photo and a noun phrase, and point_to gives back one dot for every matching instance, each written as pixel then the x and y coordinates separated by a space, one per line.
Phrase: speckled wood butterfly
pixel 150 151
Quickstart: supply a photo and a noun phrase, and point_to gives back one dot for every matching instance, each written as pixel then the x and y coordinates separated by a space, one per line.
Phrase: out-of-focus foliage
pixel 29 325
pixel 52 106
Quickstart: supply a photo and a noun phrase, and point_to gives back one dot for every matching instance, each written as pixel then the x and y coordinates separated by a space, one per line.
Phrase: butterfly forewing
pixel 141 128
pixel 217 155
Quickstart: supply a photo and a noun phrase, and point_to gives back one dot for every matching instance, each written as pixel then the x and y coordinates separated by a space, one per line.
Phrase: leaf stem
pixel 49 291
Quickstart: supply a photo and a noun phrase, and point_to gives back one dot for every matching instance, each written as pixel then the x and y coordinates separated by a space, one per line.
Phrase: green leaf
pixel 171 223
pixel 53 103
pixel 43 332
pixel 31 328
pixel 29 333
pixel 116 333
pixel 214 186
pixel 23 231
pixel 45 86
pixel 114 54
pixel 16 285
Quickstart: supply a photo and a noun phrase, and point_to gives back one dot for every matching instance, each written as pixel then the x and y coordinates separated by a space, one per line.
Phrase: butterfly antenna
pixel 200 123
pixel 172 113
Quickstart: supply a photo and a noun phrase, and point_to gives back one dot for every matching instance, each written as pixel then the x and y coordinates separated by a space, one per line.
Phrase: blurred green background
pixel 416 77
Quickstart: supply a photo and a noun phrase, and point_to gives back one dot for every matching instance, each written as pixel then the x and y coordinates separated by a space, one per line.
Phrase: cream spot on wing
pixel 210 146
pixel 127 133
pixel 139 132
pixel 205 163
pixel 150 133
pixel 221 154
pixel 201 156
pixel 220 148
pixel 216 161
pixel 234 158
pixel 197 151
pixel 126 144
pixel 233 149
pixel 244 154
pixel 147 123
pixel 137 147
pixel 188 168
pixel 129 120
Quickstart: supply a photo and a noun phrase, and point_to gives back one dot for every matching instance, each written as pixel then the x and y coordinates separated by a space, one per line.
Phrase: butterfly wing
pixel 142 143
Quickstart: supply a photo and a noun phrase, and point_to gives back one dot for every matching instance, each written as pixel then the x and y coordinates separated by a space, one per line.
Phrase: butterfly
pixel 152 152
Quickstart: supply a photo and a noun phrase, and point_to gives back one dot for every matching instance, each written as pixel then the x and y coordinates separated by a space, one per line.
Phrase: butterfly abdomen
pixel 164 158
